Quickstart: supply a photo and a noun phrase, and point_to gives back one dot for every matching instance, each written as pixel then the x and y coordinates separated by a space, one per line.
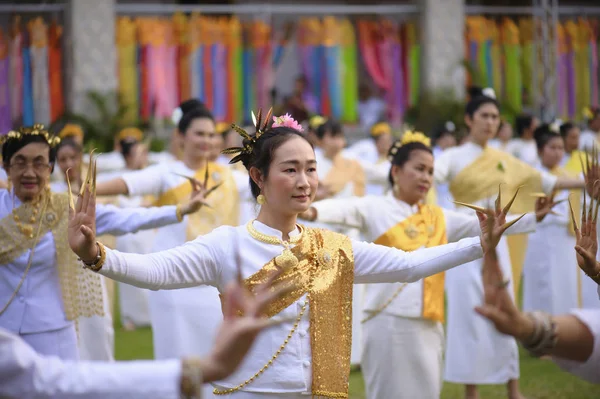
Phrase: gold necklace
pixel 27 229
pixel 287 259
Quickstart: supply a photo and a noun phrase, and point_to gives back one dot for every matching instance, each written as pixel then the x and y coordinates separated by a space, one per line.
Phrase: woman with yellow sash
pixel 476 353
pixel 42 290
pixel 403 332
pixel 590 136
pixel 184 322
pixel 551 281
pixel 309 353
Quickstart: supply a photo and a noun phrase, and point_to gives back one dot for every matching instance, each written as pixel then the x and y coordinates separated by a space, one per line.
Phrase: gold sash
pixel 480 180
pixel 424 229
pixel 344 171
pixel 224 201
pixel 326 259
pixel 81 289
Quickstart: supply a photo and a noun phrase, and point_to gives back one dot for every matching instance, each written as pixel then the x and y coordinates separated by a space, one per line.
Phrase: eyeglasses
pixel 38 166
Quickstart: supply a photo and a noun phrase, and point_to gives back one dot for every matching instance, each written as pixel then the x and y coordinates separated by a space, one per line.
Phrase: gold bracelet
pixel 97 264
pixel 191 378
pixel 179 213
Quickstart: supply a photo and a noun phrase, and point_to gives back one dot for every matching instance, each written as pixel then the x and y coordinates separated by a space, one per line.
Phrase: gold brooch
pixel 324 258
pixel 411 231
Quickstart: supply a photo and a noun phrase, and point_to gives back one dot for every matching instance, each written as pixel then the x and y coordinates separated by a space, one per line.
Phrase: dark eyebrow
pixel 296 162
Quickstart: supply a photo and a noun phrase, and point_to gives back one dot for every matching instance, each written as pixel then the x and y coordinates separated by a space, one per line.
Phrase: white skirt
pixel 476 353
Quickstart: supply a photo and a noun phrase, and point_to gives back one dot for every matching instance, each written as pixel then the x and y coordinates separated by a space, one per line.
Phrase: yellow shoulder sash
pixel 424 229
pixel 224 201
pixel 344 171
pixel 81 289
pixel 325 273
pixel 480 180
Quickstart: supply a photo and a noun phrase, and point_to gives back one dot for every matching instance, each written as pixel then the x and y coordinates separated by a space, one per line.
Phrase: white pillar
pixel 91 51
pixel 442 45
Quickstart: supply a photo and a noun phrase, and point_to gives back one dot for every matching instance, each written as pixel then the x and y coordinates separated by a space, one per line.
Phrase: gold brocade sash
pixel 224 201
pixel 326 259
pixel 81 289
pixel 424 229
pixel 344 171
pixel 481 178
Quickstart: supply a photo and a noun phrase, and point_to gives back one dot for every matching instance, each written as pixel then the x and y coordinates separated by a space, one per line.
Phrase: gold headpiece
pixel 590 113
pixel 35 130
pixel 71 130
pixel 316 121
pixel 130 133
pixel 381 128
pixel 248 146
pixel 409 137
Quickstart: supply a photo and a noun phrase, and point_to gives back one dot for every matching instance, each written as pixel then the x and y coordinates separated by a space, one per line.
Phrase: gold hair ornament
pixel 316 121
pixel 130 133
pixel 71 130
pixel 250 140
pixel 35 130
pixel 409 137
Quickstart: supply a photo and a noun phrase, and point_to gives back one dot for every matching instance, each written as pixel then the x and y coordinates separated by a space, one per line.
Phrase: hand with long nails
pixel 587 242
pixel 200 193
pixel 82 216
pixel 491 233
pixel 591 173
pixel 544 205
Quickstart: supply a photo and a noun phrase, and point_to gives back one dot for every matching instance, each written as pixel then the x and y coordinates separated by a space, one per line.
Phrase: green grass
pixel 540 379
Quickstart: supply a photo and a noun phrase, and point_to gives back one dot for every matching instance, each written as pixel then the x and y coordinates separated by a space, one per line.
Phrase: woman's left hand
pixel 200 192
pixel 544 206
pixel 587 241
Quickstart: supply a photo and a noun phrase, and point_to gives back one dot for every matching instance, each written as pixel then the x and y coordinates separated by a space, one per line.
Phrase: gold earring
pixel 395 189
pixel 261 199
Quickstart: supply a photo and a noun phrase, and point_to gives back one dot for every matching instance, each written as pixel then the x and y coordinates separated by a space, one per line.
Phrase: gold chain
pixel 385 305
pixel 267 239
pixel 281 348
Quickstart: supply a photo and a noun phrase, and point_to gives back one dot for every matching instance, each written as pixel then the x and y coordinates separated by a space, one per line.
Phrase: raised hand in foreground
pixel 587 241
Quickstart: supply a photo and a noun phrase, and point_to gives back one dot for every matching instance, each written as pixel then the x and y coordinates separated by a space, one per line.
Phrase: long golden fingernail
pixel 512 222
pixel 474 207
pixel 71 201
pixel 572 214
pixel 509 205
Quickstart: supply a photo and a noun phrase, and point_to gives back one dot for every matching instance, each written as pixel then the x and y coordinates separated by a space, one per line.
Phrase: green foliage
pixel 102 121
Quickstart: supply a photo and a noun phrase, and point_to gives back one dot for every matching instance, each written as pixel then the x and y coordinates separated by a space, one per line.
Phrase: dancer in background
pixel 43 290
pixel 474 171
pixel 589 136
pixel 523 147
pixel 310 352
pixel 403 331
pixel 184 321
pixel 551 281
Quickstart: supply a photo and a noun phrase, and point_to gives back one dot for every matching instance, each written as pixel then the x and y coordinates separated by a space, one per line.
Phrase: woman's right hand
pixel 81 230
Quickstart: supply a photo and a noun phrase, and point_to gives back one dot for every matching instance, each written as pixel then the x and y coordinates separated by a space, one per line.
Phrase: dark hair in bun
pixel 402 155
pixel 543 134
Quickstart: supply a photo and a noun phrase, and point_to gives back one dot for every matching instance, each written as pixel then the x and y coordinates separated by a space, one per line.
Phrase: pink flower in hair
pixel 287 121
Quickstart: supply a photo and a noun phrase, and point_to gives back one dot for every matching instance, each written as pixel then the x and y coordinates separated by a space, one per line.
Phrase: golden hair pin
pixel 247 148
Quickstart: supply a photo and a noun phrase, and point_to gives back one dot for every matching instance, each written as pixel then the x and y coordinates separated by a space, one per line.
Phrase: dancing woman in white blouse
pixel 42 289
pixel 310 352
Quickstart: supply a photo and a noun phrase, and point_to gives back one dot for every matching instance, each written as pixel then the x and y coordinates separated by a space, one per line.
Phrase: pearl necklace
pixel 287 259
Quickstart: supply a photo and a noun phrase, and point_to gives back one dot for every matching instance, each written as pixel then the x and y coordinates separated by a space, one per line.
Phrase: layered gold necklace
pixel 287 259
pixel 26 215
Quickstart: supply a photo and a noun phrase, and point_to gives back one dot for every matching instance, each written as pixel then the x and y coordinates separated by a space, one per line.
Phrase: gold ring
pixel 503 284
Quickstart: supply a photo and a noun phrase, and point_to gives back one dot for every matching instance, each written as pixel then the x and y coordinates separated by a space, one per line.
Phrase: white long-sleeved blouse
pixel 38 305
pixel 211 260
pixel 26 374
